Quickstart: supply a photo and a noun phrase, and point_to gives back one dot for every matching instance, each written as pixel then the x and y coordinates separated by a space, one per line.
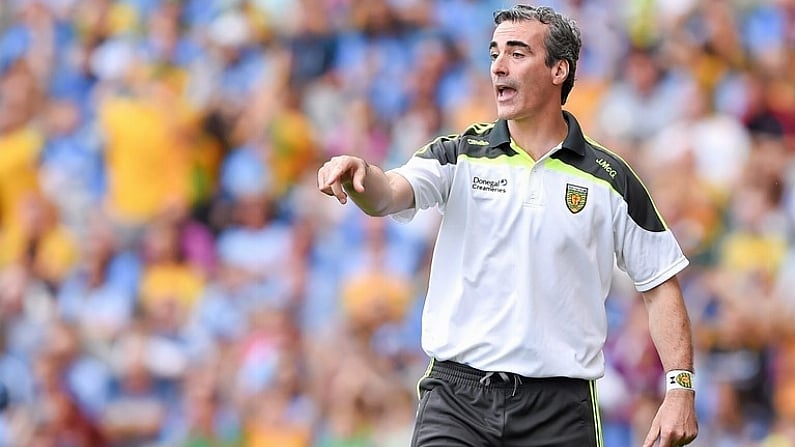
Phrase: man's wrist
pixel 680 379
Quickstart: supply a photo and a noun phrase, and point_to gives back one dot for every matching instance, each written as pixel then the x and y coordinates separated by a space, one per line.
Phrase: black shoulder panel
pixel 475 142
pixel 604 165
pixel 443 149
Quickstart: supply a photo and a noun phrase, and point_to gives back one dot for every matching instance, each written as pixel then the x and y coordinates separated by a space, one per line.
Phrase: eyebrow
pixel 511 43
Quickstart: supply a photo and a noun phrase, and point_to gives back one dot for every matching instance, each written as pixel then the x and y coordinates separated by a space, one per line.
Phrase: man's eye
pixel 493 56
pixel 517 54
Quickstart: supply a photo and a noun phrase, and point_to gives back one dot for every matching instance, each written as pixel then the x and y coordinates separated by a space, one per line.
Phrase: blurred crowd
pixel 170 275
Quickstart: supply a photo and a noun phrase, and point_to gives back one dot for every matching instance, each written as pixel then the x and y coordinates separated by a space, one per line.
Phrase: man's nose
pixel 498 66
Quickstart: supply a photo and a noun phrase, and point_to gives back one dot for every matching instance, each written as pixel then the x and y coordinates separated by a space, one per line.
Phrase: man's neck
pixel 537 135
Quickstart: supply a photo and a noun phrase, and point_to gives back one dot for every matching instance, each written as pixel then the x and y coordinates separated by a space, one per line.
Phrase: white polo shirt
pixel 525 253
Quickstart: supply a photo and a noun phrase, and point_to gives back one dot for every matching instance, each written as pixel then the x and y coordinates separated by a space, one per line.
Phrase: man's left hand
pixel 675 423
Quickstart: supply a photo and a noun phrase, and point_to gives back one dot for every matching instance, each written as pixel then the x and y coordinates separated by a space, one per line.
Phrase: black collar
pixel 575 141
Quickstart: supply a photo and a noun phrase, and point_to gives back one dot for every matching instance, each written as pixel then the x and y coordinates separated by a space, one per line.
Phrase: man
pixel 535 215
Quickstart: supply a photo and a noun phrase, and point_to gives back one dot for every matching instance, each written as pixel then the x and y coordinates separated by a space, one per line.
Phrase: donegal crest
pixel 683 379
pixel 576 196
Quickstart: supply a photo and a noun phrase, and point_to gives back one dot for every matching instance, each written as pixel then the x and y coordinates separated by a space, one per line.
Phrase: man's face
pixel 522 82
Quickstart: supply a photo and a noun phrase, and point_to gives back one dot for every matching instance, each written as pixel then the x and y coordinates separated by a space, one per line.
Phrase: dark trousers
pixel 464 406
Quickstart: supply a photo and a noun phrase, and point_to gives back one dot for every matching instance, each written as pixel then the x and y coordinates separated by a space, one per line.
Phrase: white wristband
pixel 679 379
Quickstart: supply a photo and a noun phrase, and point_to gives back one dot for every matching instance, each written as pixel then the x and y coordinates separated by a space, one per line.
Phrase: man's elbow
pixel 377 209
pixel 376 212
pixel 392 204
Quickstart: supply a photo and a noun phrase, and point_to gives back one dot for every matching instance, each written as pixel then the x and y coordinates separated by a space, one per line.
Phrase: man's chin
pixel 505 114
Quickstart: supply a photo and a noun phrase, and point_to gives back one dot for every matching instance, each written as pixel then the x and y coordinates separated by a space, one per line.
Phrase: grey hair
pixel 562 41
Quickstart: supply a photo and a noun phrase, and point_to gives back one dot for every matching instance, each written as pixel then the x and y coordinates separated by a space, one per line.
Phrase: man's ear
pixel 560 71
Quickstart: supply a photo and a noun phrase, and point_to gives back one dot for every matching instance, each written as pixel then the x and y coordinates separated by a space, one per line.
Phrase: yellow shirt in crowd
pixel 170 282
pixel 19 153
pixel 148 161
pixel 55 250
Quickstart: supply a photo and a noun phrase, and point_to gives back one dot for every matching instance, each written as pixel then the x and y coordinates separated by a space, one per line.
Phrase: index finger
pixel 654 432
pixel 327 175
pixel 665 440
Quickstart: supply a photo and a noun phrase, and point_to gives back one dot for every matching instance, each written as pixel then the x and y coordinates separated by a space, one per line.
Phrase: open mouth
pixel 504 91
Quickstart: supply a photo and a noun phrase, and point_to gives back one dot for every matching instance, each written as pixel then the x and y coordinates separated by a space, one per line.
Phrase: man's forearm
pixel 669 326
pixel 379 197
